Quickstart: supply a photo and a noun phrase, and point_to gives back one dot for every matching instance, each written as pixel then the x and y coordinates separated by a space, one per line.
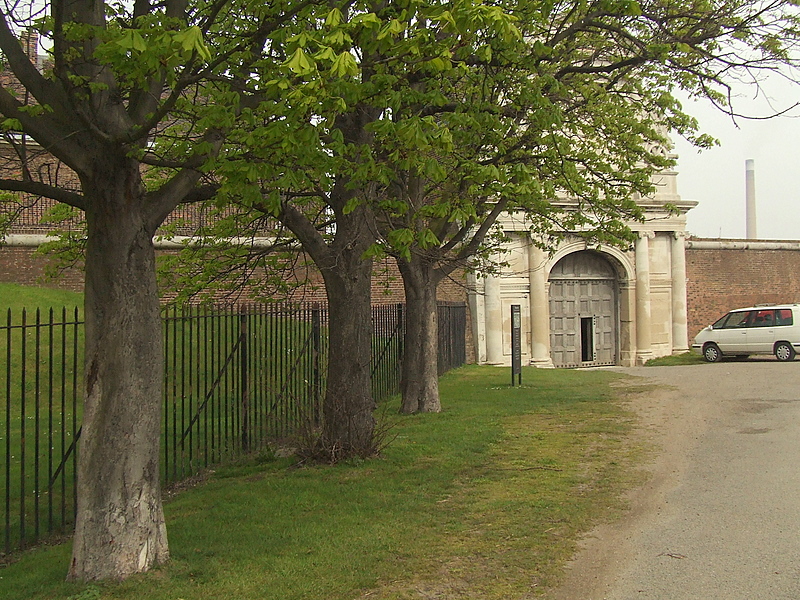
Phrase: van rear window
pixel 783 316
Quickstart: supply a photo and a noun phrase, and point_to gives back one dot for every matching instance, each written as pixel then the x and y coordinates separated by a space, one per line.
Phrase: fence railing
pixel 41 364
pixel 235 379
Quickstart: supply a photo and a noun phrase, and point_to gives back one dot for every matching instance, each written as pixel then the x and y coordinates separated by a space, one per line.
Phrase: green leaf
pixel 333 18
pixel 427 239
pixel 300 63
pixel 351 205
pixel 132 40
pixel 366 19
pixel 392 28
pixel 191 40
pixel 344 65
pixel 11 125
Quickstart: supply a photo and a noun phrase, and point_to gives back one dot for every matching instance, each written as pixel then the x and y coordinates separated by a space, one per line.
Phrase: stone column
pixel 494 321
pixel 644 350
pixel 680 333
pixel 540 309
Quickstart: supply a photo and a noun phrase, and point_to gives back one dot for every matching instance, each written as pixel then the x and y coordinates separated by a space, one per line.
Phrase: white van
pixel 761 329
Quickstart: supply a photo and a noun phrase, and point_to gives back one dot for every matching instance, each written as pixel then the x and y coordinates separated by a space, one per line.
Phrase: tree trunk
pixel 419 381
pixel 120 526
pixel 348 406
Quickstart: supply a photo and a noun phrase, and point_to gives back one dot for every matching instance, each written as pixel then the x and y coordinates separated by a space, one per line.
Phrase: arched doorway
pixel 584 314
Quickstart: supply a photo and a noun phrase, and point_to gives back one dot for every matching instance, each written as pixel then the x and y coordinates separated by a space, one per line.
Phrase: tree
pixel 309 157
pixel 122 75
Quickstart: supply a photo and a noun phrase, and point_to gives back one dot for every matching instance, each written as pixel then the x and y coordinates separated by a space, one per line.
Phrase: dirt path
pixel 720 516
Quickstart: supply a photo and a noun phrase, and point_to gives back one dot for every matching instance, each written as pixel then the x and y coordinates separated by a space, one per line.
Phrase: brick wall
pixel 24 266
pixel 723 279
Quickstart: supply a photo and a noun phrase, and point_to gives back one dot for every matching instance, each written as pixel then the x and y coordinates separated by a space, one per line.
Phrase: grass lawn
pixel 687 358
pixel 484 500
pixel 16 297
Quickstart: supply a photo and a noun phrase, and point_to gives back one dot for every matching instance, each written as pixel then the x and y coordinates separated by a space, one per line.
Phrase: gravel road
pixel 720 516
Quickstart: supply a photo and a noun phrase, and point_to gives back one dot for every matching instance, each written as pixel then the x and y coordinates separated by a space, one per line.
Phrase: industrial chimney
pixel 750 198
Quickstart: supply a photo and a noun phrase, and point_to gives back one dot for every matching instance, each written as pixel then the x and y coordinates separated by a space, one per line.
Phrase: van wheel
pixel 784 351
pixel 712 353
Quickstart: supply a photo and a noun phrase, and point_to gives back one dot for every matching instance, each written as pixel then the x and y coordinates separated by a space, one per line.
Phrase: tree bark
pixel 419 380
pixel 120 527
pixel 348 406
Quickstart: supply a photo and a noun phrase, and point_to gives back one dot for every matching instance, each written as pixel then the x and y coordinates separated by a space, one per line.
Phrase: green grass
pixel 687 358
pixel 16 297
pixel 484 500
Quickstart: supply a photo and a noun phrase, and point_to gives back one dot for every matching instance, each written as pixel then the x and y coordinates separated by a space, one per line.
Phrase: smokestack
pixel 750 198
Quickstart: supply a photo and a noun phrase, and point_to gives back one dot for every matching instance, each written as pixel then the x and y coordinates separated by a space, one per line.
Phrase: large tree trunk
pixel 348 406
pixel 419 381
pixel 120 526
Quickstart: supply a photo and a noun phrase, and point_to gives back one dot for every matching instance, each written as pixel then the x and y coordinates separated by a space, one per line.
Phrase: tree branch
pixel 41 189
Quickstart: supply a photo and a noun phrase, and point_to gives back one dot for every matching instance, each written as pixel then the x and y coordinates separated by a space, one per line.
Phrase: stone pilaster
pixel 644 351
pixel 494 321
pixel 680 334
pixel 540 309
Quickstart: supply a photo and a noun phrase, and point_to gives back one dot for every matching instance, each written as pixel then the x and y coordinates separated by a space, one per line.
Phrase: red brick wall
pixel 23 266
pixel 721 280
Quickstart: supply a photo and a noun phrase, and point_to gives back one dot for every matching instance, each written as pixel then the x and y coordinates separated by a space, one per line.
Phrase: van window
pixel 783 316
pixel 720 323
pixel 762 318
pixel 733 320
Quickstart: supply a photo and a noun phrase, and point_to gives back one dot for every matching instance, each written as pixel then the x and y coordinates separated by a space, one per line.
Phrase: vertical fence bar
pixel 316 340
pixel 36 419
pixel 204 386
pixel 237 417
pixel 281 372
pixel 244 390
pixel 63 411
pixel 296 341
pixel 214 322
pixel 23 400
pixel 224 346
pixel 166 395
pixel 269 339
pixel 8 435
pixel 174 391
pixel 75 412
pixel 185 324
pixel 193 386
pixel 50 423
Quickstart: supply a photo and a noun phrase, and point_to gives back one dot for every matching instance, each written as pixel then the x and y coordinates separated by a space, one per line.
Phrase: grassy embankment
pixel 485 500
pixel 687 358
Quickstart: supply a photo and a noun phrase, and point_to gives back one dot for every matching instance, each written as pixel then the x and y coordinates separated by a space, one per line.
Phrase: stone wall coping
pixel 719 244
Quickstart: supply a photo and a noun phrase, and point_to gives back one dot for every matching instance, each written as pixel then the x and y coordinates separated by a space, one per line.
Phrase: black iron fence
pixel 41 356
pixel 235 380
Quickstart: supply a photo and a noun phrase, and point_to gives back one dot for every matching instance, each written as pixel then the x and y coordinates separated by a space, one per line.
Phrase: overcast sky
pixel 716 177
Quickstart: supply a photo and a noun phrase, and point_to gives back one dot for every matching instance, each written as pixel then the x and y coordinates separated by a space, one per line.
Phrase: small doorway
pixel 587 339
